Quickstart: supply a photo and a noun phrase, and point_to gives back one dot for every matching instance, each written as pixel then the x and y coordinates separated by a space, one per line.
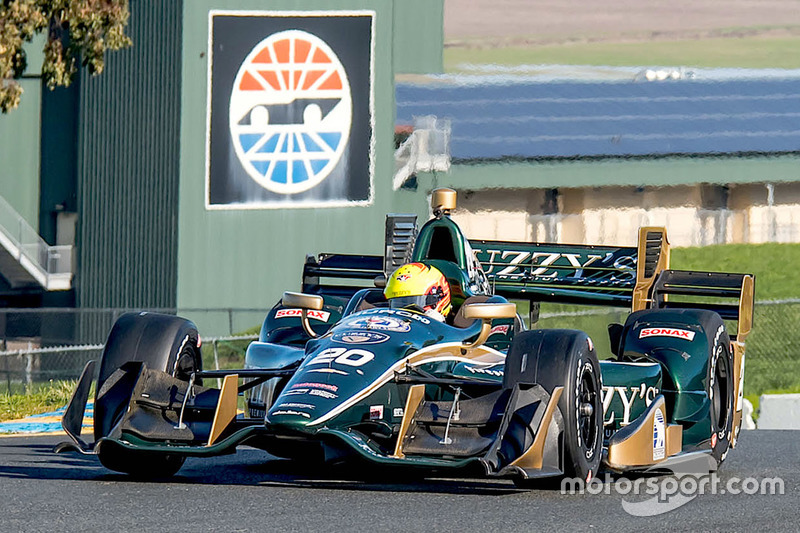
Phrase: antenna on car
pixel 442 202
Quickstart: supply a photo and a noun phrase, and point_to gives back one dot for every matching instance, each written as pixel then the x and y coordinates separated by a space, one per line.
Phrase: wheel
pixel 565 358
pixel 163 342
pixel 720 394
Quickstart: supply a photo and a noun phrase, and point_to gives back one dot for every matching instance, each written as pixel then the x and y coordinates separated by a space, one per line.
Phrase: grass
pixel 743 52
pixel 39 398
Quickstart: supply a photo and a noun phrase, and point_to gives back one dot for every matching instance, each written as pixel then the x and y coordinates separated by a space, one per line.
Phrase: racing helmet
pixel 421 285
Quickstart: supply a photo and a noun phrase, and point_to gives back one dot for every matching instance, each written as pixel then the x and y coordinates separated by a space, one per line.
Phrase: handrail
pixel 45 263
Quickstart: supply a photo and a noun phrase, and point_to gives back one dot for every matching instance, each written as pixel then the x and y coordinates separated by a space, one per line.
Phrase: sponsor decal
pixel 398 412
pixel 500 330
pixel 323 394
pixel 290 109
pixel 325 386
pixel 629 396
pixel 290 412
pixel 375 412
pixel 667 332
pixel 659 436
pixel 360 337
pixel 383 323
pixel 322 316
pixel 486 371
pixel 296 406
pixel 611 268
pixel 328 371
pixel 342 356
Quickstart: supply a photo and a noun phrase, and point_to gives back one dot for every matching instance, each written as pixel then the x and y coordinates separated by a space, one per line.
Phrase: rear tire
pixel 720 388
pixel 163 342
pixel 565 358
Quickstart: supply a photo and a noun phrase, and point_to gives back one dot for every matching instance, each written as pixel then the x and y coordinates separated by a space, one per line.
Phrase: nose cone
pixel 303 401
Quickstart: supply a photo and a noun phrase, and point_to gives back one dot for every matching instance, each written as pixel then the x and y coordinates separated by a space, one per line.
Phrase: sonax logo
pixel 667 332
pixel 290 112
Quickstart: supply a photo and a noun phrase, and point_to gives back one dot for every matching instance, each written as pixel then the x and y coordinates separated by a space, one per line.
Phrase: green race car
pixel 340 376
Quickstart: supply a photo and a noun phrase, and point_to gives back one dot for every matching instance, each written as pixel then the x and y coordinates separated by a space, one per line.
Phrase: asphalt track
pixel 249 491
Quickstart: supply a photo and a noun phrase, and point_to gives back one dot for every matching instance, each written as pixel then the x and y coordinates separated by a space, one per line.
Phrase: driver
pixel 421 287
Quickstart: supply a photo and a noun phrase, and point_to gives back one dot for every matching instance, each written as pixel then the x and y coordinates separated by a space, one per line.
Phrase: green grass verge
pixel 745 52
pixel 39 398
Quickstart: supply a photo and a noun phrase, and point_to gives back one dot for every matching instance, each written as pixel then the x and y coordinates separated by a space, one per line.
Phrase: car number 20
pixel 343 356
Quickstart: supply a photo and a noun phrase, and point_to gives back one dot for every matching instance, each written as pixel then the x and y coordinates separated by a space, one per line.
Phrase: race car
pixel 353 371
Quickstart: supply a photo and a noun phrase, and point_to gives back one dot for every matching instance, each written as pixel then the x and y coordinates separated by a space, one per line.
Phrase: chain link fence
pixel 772 360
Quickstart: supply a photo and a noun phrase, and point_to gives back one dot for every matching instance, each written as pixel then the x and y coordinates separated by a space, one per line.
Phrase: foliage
pixel 77 30
pixel 38 398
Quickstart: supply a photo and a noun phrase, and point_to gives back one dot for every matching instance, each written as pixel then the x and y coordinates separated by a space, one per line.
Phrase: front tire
pixel 162 342
pixel 566 358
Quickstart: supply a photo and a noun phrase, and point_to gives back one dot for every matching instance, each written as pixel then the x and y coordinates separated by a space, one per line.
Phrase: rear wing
pixel 637 277
pixel 344 274
pixel 340 274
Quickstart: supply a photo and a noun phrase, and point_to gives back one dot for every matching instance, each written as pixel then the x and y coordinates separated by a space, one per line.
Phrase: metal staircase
pixel 26 261
pixel 426 150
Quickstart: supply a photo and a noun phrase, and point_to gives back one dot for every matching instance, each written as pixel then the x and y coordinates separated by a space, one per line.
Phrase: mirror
pixel 487 312
pixel 304 302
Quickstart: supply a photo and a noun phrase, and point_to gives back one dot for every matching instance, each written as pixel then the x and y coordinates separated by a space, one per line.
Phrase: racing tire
pixel 163 342
pixel 565 358
pixel 720 387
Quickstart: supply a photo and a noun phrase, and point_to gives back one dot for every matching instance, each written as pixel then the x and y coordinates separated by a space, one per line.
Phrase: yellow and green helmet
pixel 420 285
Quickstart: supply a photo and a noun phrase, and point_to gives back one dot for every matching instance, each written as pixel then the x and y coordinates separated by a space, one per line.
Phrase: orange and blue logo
pixel 290 112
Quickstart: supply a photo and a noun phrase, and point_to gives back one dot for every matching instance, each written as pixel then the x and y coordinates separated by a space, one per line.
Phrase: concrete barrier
pixel 747 415
pixel 779 411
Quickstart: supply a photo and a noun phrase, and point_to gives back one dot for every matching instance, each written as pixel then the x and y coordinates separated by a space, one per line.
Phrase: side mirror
pixel 304 302
pixel 615 337
pixel 487 312
pixel 379 281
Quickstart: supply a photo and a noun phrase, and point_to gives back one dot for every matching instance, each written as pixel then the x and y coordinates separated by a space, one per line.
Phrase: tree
pixel 77 30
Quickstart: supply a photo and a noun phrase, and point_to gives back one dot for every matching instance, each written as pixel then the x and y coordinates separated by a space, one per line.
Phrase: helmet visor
pixel 423 302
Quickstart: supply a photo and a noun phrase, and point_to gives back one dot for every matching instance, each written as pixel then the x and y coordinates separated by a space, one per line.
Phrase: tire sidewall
pixel 581 459
pixel 721 435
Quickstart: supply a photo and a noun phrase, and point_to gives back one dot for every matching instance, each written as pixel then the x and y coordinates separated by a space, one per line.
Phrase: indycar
pixel 338 376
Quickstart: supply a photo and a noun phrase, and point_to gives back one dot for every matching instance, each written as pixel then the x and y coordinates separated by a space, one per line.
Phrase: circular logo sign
pixel 360 337
pixel 384 323
pixel 290 112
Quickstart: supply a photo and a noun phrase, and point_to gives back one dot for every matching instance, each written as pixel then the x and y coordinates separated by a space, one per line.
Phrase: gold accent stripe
pixel 641 291
pixel 415 395
pixel 226 407
pixel 674 437
pixel 533 456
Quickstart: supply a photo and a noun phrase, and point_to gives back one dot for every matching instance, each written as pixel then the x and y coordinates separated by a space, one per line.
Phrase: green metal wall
pixel 418 36
pixel 246 258
pixel 19 151
pixel 616 172
pixel 127 166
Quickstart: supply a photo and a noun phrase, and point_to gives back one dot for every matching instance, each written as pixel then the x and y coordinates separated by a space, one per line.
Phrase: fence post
pixel 29 367
pixel 216 362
